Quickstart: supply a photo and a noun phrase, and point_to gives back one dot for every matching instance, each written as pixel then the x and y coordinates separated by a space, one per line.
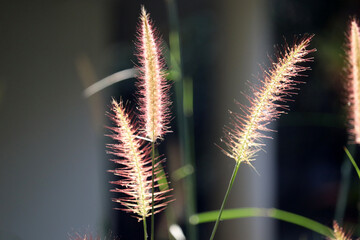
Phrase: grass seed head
pixel 133 154
pixel 153 87
pixel 85 237
pixel 244 139
pixel 353 60
pixel 339 233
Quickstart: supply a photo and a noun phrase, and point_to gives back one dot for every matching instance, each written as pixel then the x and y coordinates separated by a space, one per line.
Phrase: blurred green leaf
pixel 183 172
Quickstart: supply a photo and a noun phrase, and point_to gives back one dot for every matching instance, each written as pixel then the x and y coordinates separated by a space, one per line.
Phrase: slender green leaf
pixel 352 161
pixel 345 181
pixel 109 80
pixel 162 180
pixel 263 212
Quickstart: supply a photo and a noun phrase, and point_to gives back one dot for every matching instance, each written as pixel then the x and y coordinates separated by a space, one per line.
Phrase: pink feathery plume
pixel 339 233
pixel 89 236
pixel 85 237
pixel 244 140
pixel 133 154
pixel 153 87
pixel 353 57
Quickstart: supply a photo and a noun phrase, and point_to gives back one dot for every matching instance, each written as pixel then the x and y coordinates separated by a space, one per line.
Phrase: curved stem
pixel 346 171
pixel 145 228
pixel 152 188
pixel 236 168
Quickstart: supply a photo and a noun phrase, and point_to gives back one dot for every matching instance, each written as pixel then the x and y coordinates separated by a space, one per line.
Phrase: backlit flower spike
pixel 244 138
pixel 153 87
pixel 353 55
pixel 339 233
pixel 133 154
pixel 84 237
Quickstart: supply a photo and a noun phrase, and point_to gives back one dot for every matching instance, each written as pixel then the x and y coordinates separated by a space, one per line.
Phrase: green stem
pixel 185 121
pixel 348 153
pixel 344 186
pixel 190 180
pixel 145 228
pixel 152 188
pixel 163 186
pixel 236 168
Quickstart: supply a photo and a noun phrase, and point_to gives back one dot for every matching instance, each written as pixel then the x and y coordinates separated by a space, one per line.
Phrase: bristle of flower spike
pixel 89 236
pixel 84 237
pixel 353 55
pixel 133 154
pixel 243 140
pixel 153 87
pixel 339 234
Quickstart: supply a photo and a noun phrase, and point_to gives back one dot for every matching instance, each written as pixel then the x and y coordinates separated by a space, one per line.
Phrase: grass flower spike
pixel 153 87
pixel 339 234
pixel 136 172
pixel 354 79
pixel 244 140
pixel 85 237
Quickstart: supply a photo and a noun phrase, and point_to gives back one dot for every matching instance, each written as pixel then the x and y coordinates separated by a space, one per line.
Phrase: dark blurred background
pixel 53 178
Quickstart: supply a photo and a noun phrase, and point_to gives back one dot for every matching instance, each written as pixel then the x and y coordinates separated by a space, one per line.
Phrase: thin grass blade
pixel 352 161
pixel 263 212
pixel 109 80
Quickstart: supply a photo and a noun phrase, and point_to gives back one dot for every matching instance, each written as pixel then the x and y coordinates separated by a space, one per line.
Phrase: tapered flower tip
pixel 353 55
pixel 244 138
pixel 144 15
pixel 339 233
pixel 153 87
